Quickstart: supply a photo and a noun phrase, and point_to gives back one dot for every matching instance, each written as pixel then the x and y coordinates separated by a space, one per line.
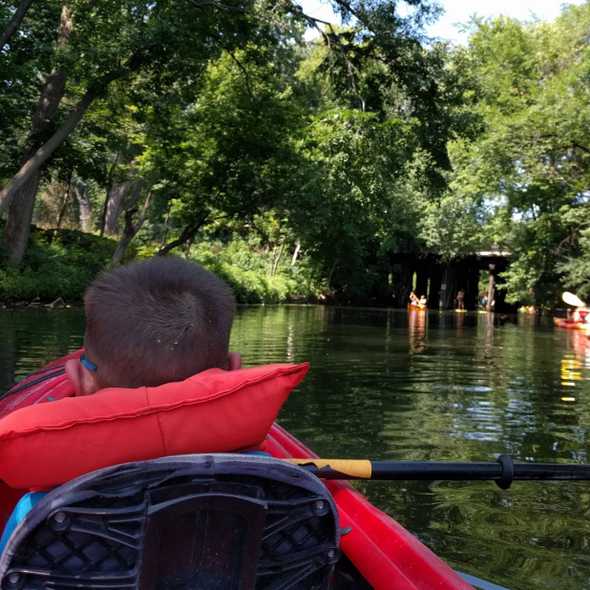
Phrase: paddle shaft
pixel 502 471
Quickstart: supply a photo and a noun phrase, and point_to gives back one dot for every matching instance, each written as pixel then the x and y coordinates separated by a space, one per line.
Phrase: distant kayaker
pixel 460 298
pixel 414 299
pixel 422 301
pixel 154 322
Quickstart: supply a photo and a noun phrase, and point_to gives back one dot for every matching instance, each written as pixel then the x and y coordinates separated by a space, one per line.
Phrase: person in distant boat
pixel 460 299
pixel 154 322
pixel 422 301
pixel 581 315
pixel 414 299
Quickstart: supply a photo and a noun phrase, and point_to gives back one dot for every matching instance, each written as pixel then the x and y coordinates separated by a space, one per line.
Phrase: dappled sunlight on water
pixel 393 385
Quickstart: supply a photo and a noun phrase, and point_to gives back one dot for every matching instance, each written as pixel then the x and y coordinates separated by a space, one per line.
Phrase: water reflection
pixel 390 384
pixel 417 330
pixel 31 338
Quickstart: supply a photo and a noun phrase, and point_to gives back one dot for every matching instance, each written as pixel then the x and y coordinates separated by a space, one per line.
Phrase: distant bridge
pixel 441 281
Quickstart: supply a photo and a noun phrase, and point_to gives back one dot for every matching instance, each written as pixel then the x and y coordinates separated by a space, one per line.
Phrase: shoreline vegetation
pixel 61 263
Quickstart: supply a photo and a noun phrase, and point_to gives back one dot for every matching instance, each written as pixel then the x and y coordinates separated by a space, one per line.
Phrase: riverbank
pixel 61 263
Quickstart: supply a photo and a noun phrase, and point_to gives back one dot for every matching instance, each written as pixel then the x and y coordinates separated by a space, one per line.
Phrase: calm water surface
pixel 389 385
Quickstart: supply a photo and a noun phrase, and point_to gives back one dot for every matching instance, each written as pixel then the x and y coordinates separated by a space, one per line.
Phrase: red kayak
pixel 379 552
pixel 571 325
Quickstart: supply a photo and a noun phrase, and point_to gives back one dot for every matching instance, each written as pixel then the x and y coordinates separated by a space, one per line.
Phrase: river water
pixel 442 386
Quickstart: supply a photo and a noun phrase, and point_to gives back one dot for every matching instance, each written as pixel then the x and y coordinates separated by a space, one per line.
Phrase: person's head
pixel 153 322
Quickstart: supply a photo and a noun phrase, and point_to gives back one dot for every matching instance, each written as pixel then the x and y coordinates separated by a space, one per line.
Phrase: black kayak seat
pixel 188 522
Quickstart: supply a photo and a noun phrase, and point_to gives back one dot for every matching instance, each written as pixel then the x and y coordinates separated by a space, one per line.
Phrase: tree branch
pixel 314 22
pixel 188 233
pixel 581 147
pixel 14 23
pixel 348 7
pixel 243 70
pixel 215 4
pixel 131 229
pixel 34 163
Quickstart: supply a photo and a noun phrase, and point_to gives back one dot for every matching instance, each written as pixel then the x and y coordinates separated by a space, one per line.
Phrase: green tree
pixel 531 161
pixel 97 44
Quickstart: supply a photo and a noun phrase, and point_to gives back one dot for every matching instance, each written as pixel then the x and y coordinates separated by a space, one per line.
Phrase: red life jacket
pixel 213 411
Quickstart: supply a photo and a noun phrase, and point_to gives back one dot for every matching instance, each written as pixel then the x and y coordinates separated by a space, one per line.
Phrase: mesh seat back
pixel 178 523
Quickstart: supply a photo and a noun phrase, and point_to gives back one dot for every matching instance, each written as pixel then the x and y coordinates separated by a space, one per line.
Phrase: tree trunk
pixel 20 194
pixel 15 22
pixel 472 285
pixel 296 253
pixel 85 207
pixel 114 206
pixel 447 288
pixel 36 161
pixel 62 209
pixel 109 184
pixel 402 271
pixel 31 168
pixel 123 197
pixel 276 260
pixel 331 273
pixel 18 221
pixel 33 165
pixel 130 230
pixel 491 288
pixel 166 226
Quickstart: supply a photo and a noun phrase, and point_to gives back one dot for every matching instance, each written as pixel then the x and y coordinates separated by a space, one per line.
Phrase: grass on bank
pixel 63 262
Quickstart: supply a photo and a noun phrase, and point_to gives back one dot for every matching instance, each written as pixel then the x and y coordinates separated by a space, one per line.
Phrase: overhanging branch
pixel 14 23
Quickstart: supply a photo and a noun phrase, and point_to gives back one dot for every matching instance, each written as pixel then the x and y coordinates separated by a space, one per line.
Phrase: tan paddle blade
pixel 572 299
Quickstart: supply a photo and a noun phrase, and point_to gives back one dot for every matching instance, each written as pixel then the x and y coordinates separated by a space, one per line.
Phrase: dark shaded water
pixel 443 387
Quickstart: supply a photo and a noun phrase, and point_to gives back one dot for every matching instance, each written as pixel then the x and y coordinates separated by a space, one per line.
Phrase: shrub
pixel 59 263
pixel 62 263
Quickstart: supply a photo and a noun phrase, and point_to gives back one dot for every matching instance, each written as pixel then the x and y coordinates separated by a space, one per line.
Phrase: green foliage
pixel 59 263
pixel 254 274
pixel 232 148
pixel 62 263
pixel 28 58
pixel 454 225
pixel 530 166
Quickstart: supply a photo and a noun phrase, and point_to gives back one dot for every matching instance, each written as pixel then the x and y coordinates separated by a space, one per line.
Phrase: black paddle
pixel 503 471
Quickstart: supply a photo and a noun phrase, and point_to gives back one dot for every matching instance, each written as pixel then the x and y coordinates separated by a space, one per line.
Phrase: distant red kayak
pixel 382 553
pixel 571 325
